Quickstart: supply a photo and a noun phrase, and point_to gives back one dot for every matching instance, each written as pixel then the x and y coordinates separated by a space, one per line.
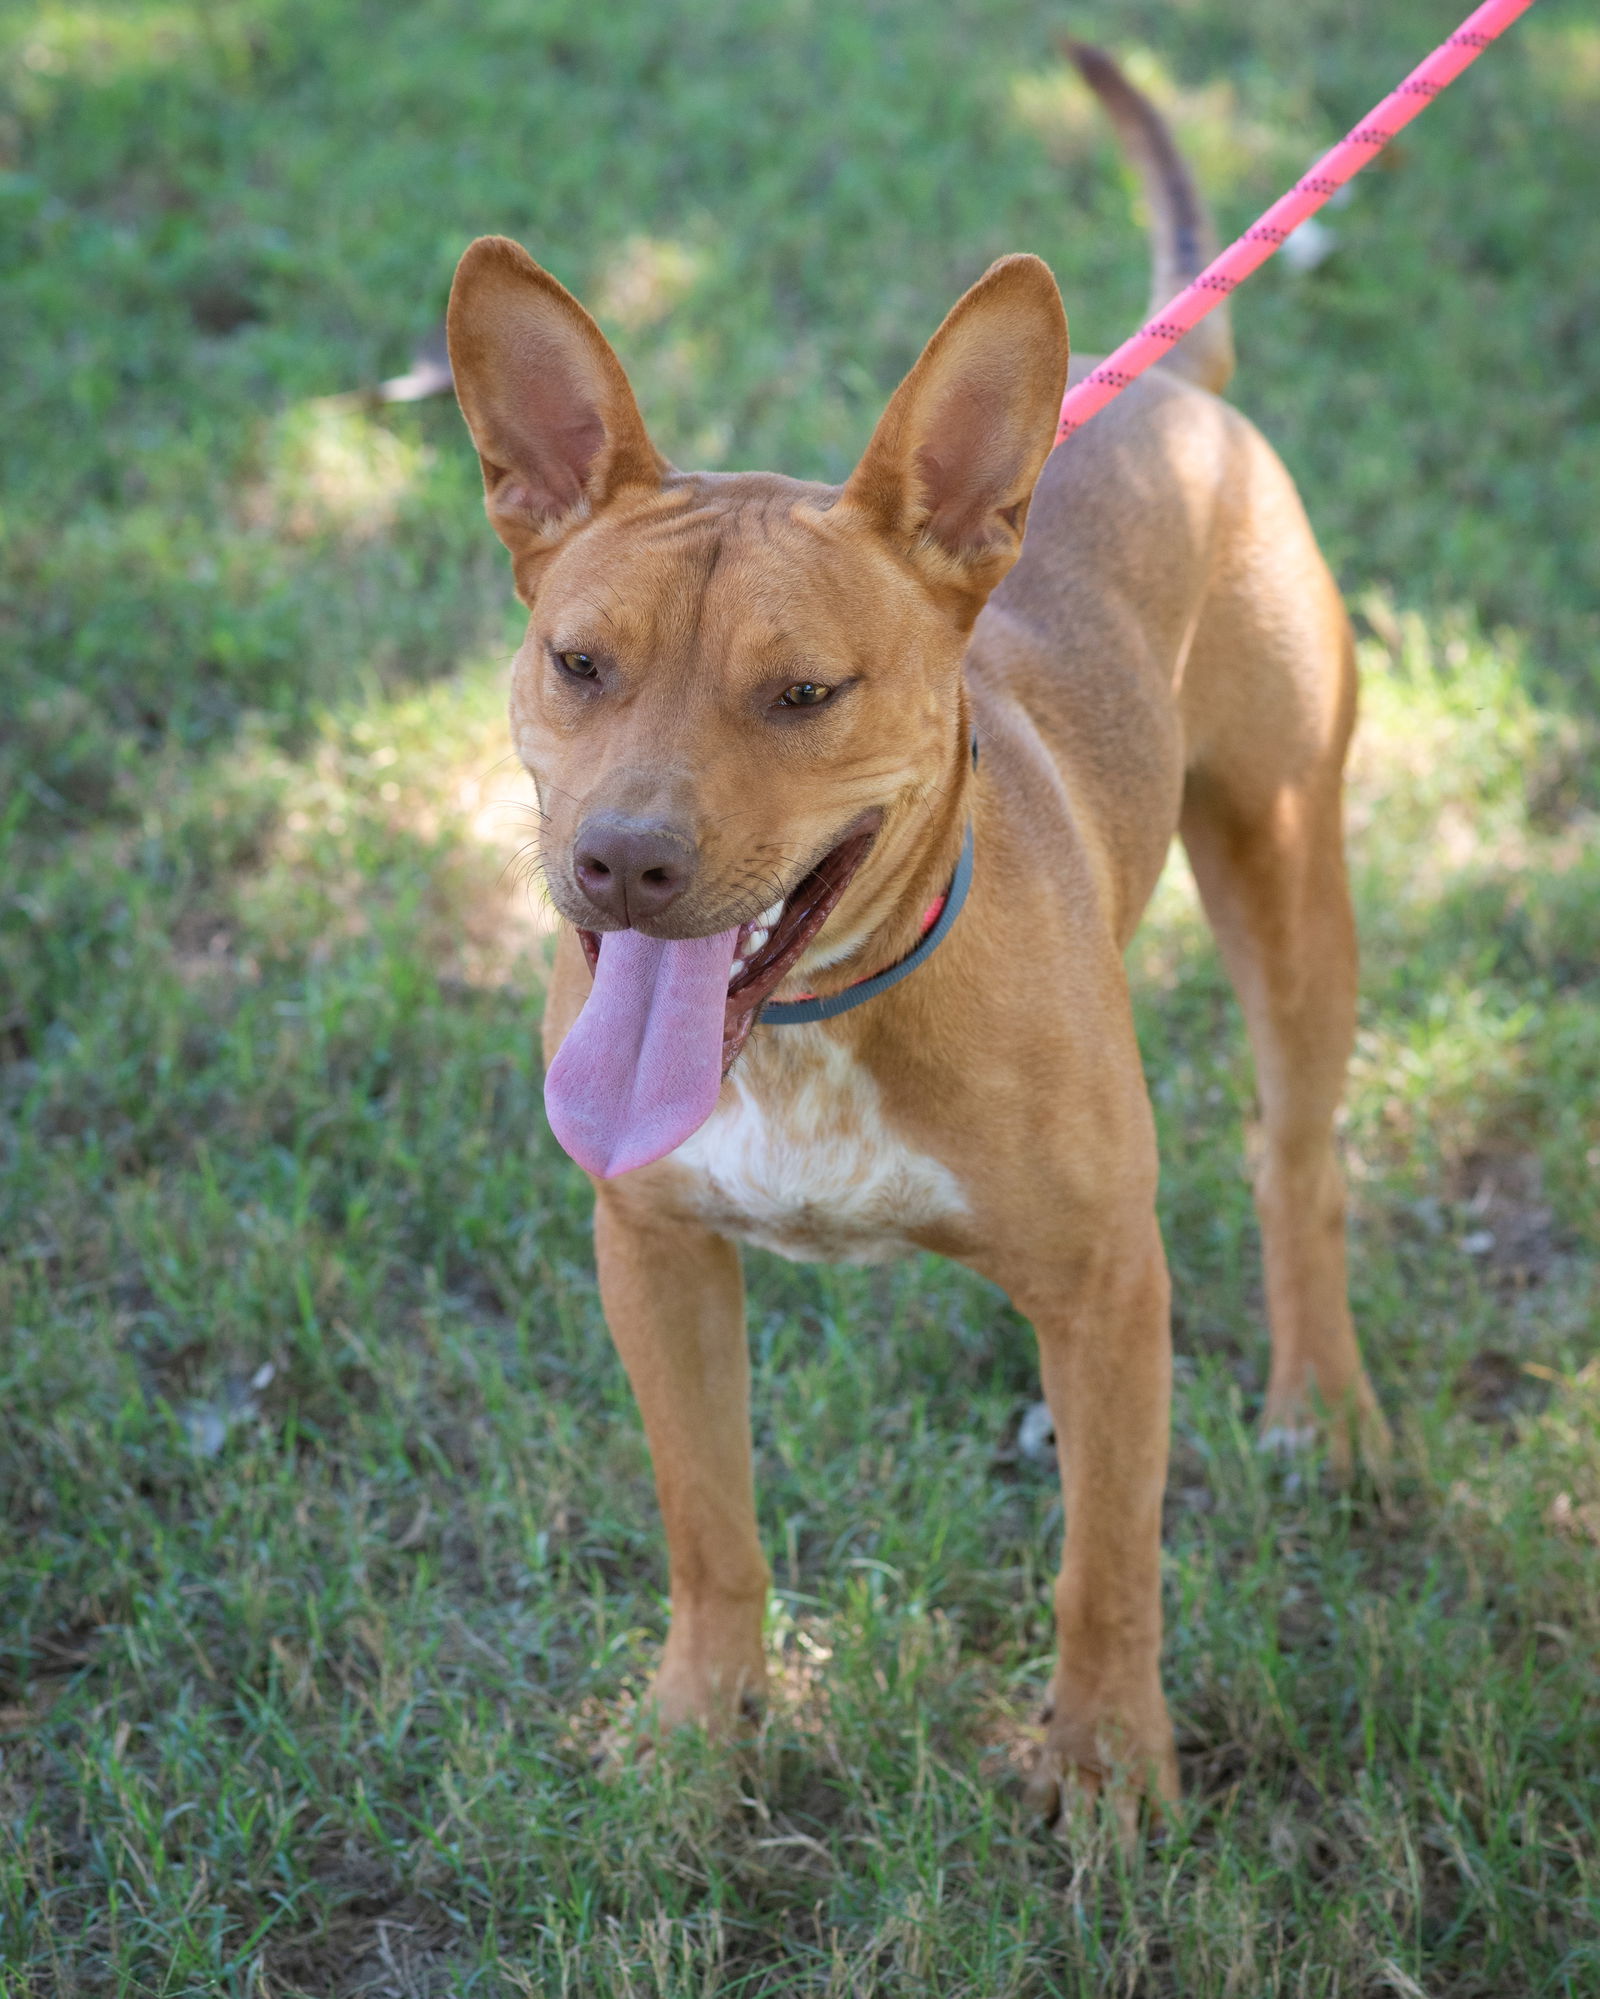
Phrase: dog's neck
pixel 882 916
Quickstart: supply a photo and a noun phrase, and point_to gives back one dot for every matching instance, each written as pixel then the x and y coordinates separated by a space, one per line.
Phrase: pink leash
pixel 1341 163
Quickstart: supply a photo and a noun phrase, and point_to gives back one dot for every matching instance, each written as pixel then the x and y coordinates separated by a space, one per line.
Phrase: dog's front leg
pixel 674 1300
pixel 1102 1320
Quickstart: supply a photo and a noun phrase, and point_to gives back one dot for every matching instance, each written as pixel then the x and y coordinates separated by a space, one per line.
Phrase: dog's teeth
pixel 738 967
pixel 769 917
pixel 758 936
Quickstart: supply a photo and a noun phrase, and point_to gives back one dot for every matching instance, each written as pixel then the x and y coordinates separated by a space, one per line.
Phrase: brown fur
pixel 1169 653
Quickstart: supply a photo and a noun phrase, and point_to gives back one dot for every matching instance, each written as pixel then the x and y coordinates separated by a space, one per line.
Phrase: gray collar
pixel 798 1013
pixel 801 1012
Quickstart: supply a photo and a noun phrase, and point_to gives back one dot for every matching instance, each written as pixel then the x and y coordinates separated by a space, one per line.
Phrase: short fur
pixel 1169 654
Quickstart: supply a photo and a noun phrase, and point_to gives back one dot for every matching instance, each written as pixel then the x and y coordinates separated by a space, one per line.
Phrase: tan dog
pixel 747 702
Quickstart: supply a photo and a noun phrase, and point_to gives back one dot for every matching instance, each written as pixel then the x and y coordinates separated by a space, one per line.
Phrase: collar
pixel 936 926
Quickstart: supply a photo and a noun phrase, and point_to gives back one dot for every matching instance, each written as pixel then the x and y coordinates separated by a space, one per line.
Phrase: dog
pixel 775 726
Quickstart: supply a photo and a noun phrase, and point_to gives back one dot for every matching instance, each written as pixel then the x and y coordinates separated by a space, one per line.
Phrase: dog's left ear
pixel 549 407
pixel 952 464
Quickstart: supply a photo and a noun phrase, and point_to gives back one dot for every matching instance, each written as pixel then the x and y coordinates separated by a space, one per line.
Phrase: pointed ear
pixel 550 410
pixel 952 464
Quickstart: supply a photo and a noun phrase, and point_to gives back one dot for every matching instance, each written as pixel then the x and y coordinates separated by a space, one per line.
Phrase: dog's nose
pixel 631 870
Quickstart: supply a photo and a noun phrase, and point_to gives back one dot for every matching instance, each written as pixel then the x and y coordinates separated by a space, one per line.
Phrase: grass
pixel 328 1555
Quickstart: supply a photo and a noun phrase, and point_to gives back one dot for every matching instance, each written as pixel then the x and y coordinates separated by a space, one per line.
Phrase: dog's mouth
pixel 640 1069
pixel 770 945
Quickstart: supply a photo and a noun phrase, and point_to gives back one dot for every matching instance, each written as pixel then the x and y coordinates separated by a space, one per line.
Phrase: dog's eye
pixel 579 664
pixel 804 694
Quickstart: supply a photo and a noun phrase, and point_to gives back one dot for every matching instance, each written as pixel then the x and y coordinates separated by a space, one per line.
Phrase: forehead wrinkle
pixel 707 556
pixel 755 590
pixel 775 591
pixel 585 612
pixel 779 639
pixel 746 630
pixel 646 604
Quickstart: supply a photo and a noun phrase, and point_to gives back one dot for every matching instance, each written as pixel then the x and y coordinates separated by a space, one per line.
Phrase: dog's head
pixel 740 694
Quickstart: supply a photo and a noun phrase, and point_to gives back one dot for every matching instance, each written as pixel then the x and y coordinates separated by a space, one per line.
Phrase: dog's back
pixel 1171 626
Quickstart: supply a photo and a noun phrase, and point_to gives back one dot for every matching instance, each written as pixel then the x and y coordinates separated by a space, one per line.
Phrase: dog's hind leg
pixel 1272 674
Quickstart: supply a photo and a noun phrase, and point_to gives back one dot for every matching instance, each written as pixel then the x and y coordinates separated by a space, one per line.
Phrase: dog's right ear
pixel 550 410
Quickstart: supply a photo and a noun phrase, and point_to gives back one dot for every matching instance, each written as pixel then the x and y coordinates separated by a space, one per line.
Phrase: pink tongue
pixel 642 1065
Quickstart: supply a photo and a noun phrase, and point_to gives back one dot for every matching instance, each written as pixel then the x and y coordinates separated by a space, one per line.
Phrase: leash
pixel 1340 163
pixel 1157 337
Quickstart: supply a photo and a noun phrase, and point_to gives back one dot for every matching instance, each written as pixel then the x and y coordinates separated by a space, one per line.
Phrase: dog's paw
pixel 634 1736
pixel 726 1702
pixel 1352 1434
pixel 1117 1770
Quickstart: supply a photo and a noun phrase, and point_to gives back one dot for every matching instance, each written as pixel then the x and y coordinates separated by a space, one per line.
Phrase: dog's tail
pixel 1184 241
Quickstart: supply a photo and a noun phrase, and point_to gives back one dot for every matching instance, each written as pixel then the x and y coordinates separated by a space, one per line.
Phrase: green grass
pixel 328 1555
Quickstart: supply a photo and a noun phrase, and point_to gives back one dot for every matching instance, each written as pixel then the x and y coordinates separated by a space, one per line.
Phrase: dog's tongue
pixel 642 1065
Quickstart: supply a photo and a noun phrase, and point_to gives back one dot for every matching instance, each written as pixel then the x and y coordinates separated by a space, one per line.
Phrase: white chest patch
pixel 798 1157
